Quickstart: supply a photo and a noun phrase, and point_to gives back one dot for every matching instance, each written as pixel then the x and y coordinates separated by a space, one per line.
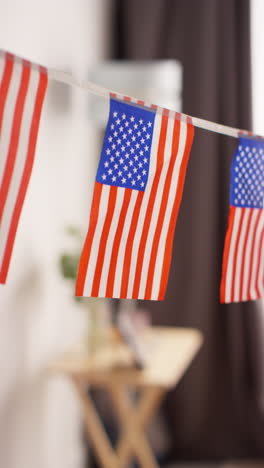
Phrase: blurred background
pixel 205 58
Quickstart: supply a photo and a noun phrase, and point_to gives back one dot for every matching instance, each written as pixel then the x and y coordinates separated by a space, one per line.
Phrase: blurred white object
pixel 157 81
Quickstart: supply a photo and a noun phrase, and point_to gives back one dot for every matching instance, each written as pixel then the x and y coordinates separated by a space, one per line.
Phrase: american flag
pixel 22 90
pixel 137 194
pixel 243 259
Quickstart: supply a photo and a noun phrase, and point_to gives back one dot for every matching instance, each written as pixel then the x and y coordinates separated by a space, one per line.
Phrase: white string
pixel 68 79
pixel 104 92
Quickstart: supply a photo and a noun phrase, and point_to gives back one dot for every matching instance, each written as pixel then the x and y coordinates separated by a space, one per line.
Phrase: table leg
pixel 133 421
pixel 95 430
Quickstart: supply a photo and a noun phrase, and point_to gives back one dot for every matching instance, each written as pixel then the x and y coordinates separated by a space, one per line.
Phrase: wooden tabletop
pixel 169 353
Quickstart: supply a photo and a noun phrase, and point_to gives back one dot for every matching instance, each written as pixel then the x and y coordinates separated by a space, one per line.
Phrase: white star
pixel 144 129
pixel 114 146
pixel 114 178
pixel 144 172
pixel 142 184
pixel 129 175
pixel 127 155
pixel 149 124
pixel 115 134
pixel 119 173
pixel 121 129
pixel 137 145
pixel 123 116
pixel 118 141
pixel 116 166
pixel 131 162
pixel 123 148
pixel 140 164
pixel 136 158
pixel 147 136
pixel 112 127
pixel 133 138
pixel 130 131
pixel 134 169
pixel 121 160
pixel 136 126
pixel 141 121
pixel 126 124
pixel 139 134
pixel 125 168
pixel 141 153
pixel 108 151
pixel 117 153
pixel 128 143
pixel 132 118
pixel 110 139
pixel 138 177
pixel 112 158
pixel 106 164
pixel 133 182
pixel 110 171
pixel 142 140
pixel 145 160
pixel 118 121
pixel 124 136
pixel 103 176
pixel 146 148
pixel 123 180
pixel 115 114
pixel 132 150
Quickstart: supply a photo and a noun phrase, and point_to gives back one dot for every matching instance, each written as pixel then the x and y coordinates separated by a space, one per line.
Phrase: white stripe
pixel 96 241
pixel 240 253
pixel 156 207
pixel 230 260
pixel 123 242
pixel 258 240
pixel 110 241
pixel 248 257
pixel 8 116
pixel 20 161
pixel 261 272
pixel 2 66
pixel 172 194
pixel 141 220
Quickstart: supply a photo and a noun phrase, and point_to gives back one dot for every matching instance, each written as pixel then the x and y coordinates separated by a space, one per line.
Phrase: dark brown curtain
pixel 217 411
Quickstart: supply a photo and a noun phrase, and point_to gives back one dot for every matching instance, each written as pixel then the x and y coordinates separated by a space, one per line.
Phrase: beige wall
pixel 39 417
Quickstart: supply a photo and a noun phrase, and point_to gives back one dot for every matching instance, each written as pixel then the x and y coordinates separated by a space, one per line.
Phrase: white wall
pixel 39 415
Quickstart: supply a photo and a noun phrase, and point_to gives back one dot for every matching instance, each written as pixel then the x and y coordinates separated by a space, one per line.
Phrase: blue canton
pixel 126 149
pixel 247 174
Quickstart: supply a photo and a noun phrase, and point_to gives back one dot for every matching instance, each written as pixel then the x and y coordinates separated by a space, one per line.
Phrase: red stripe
pixel 227 245
pixel 260 266
pixel 116 243
pixel 129 245
pixel 5 82
pixel 42 86
pixel 86 252
pixel 243 256
pixel 164 201
pixel 251 282
pixel 236 255
pixel 151 201
pixel 14 139
pixel 103 241
pixel 174 215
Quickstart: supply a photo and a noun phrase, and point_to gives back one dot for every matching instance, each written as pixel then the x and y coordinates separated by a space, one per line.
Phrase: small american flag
pixel 22 90
pixel 137 194
pixel 243 259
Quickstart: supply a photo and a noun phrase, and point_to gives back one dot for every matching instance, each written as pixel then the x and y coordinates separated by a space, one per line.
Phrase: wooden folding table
pixel 170 351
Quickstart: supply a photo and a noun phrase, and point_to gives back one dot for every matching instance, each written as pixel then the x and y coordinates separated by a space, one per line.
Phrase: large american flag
pixel 137 194
pixel 243 259
pixel 22 90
